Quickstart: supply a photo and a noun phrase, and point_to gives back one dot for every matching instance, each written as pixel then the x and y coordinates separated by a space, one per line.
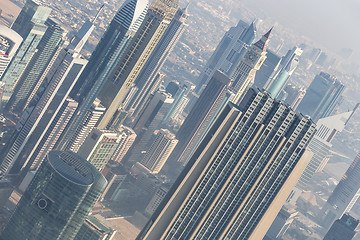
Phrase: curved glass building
pixel 56 202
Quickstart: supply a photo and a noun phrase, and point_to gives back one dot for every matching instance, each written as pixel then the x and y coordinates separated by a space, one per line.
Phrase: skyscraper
pixel 9 44
pixel 54 132
pixel 251 62
pixel 344 196
pixel 321 97
pixel 135 56
pixel 128 137
pixel 74 142
pixel 288 65
pixel 146 81
pixel 228 53
pixel 34 73
pixel 99 147
pixel 104 61
pixel 267 70
pixel 36 121
pixel 343 229
pixel 30 25
pixel 55 204
pixel 295 95
pixel 200 117
pixel 159 151
pixel 239 176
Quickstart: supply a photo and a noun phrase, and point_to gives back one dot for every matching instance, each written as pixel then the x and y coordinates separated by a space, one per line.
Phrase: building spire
pixel 262 43
pixel 98 13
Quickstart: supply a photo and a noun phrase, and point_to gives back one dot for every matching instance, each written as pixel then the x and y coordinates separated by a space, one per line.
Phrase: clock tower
pixel 249 64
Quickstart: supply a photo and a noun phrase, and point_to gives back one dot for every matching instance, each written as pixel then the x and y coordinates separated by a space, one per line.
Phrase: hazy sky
pixel 333 23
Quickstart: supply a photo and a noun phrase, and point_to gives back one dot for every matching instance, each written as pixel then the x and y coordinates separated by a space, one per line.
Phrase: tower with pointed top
pixel 228 53
pixel 244 73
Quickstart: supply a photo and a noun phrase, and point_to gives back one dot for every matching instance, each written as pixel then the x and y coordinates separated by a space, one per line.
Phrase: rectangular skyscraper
pixel 322 96
pixel 134 57
pixel 200 117
pixel 30 24
pixel 239 176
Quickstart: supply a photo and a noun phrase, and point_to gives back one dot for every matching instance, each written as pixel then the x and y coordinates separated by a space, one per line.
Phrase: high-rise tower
pixel 238 177
pixel 230 50
pixel 200 117
pixel 321 97
pixel 133 59
pixel 30 24
pixel 344 196
pixel 146 81
pixel 55 204
pixel 244 73
pixel 288 65
pixel 35 71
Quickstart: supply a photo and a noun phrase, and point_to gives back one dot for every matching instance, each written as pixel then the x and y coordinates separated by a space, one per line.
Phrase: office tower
pixel 83 130
pixel 99 147
pixel 5 191
pixel 288 65
pixel 156 200
pixel 149 121
pixel 193 97
pixel 54 132
pixel 127 139
pixel 249 64
pixel 344 196
pixel 33 74
pixel 159 151
pixel 151 109
pixel 121 30
pixel 30 25
pixel 321 97
pixel 146 80
pixel 267 70
pixel 200 117
pixel 9 44
pixel 95 228
pixel 320 145
pixel 55 204
pixel 238 178
pixel 104 61
pixel 281 224
pixel 295 95
pixel 343 229
pixel 228 53
pixel 135 56
pixel 37 119
pixel 115 177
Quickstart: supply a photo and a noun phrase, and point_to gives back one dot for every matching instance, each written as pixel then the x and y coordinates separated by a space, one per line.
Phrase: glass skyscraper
pixel 57 201
pixel 238 178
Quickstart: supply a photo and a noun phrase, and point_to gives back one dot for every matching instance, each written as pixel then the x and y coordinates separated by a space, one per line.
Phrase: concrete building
pixel 239 176
pixel 59 197
pixel 156 200
pixel 99 147
pixel 95 227
pixel 281 224
pixel 159 151
pixel 294 95
pixel 127 139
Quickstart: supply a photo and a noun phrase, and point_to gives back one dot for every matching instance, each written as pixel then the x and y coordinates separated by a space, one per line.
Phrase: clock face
pixel 251 57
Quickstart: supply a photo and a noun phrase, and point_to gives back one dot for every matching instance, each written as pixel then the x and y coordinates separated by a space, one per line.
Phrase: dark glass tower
pixel 323 94
pixel 57 201
pixel 238 178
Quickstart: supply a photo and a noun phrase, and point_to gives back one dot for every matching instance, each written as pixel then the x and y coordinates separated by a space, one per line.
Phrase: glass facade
pixel 55 204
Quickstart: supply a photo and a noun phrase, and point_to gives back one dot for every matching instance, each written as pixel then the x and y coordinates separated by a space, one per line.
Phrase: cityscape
pixel 168 119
